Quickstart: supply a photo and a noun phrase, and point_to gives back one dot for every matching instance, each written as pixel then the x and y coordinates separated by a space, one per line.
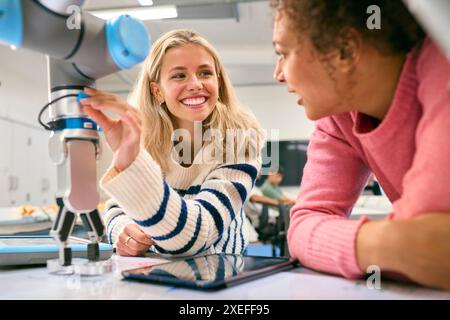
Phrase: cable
pixel 46 127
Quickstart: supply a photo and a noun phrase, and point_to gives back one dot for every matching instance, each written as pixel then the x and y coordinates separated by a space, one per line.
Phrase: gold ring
pixel 128 239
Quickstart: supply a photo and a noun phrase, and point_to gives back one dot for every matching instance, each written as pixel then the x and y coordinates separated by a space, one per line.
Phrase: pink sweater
pixel 409 153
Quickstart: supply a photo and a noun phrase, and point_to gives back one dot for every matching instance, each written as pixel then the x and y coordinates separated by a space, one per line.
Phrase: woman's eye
pixel 206 73
pixel 178 76
pixel 281 55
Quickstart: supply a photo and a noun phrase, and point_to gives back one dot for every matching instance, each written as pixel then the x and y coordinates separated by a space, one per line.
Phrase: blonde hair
pixel 157 128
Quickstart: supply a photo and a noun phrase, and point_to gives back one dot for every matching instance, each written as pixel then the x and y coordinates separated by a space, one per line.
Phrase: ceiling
pixel 243 41
pixel 102 4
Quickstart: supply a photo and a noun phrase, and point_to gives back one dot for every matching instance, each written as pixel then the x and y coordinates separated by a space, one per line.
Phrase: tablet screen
pixel 210 270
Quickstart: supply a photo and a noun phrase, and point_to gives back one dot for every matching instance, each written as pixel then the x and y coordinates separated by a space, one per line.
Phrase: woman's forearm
pixel 372 245
pixel 418 248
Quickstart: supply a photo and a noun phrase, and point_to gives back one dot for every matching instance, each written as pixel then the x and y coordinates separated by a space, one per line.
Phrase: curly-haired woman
pixel 382 104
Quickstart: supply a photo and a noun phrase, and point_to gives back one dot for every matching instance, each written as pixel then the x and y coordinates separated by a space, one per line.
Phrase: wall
pixel 24 175
pixel 277 109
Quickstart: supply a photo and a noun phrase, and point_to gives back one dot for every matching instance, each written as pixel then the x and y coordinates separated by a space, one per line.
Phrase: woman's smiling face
pixel 189 83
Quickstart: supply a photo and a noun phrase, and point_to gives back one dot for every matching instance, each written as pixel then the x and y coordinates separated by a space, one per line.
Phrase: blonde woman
pixel 173 206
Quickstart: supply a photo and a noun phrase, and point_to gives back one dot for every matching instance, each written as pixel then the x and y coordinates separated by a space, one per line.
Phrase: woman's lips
pixel 194 102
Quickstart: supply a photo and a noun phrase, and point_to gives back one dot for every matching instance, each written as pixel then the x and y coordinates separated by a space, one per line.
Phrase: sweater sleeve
pixel 115 220
pixel 426 184
pixel 179 226
pixel 320 234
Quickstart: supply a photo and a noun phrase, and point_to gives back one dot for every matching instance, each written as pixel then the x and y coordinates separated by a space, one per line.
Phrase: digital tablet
pixel 213 271
pixel 36 250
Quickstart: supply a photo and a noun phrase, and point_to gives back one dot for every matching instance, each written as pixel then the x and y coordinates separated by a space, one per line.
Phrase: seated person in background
pixel 271 187
pixel 253 207
pixel 373 187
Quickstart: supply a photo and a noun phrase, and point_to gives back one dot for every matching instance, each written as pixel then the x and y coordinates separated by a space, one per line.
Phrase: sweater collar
pixel 405 97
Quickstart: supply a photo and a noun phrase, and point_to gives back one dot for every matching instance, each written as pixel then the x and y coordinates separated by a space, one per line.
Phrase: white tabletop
pixel 298 284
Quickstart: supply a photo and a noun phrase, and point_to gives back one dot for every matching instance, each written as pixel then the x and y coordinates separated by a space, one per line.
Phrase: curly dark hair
pixel 325 21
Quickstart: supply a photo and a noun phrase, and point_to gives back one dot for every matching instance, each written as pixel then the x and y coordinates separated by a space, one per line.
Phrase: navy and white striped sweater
pixel 193 210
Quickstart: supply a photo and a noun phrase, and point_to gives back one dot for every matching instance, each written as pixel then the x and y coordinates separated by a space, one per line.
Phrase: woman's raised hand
pixel 122 135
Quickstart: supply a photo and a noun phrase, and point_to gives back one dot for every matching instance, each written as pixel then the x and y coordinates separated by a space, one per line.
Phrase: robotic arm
pixel 78 54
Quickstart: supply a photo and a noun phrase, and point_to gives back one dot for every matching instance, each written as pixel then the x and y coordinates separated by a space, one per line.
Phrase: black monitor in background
pixel 292 157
